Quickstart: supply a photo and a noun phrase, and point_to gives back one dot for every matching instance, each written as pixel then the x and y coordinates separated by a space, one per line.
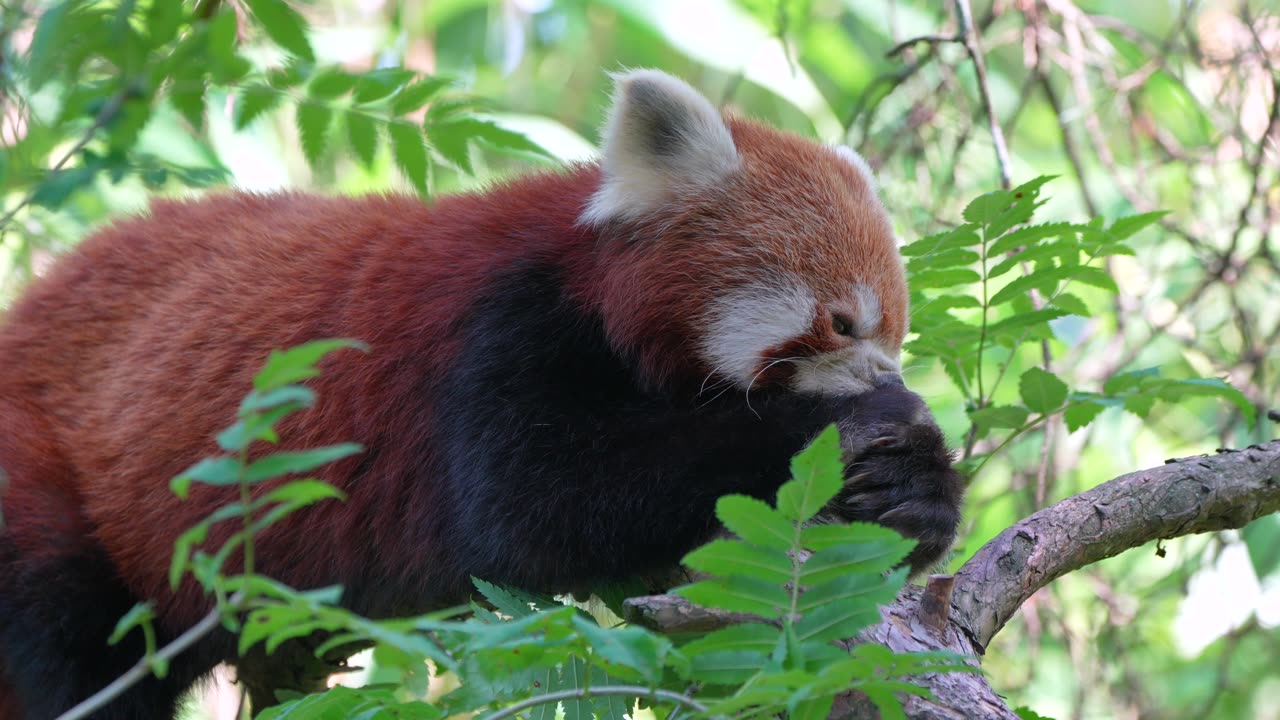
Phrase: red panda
pixel 565 372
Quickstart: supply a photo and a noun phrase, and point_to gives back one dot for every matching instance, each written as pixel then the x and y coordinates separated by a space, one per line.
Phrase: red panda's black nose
pixel 884 379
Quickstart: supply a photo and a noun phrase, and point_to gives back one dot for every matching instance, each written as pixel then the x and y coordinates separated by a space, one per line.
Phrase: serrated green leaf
pixel 733 557
pixel 1033 234
pixel 954 257
pixel 164 17
pixel 1262 539
pixel 738 594
pixel 727 667
pixel 961 237
pixel 1012 325
pixel 818 476
pixel 410 153
pixel 1064 250
pixel 1000 416
pixel 1128 226
pixel 754 521
pixel 1173 390
pixel 872 557
pixel 330 83
pixel 855 589
pixel 1041 391
pixel 943 278
pixel 253 102
pixel 608 707
pixel 298 363
pixel 1072 304
pixel 217 471
pixel 1080 414
pixel 300 493
pixel 378 84
pixel 140 614
pixel 414 97
pixel 821 537
pixel 1044 280
pixel 292 462
pixel 633 648
pixel 284 26
pixel 751 636
pixel 362 133
pixel 513 603
pixel 313 121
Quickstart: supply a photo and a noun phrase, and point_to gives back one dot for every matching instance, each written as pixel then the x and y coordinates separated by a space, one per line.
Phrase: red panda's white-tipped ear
pixel 662 137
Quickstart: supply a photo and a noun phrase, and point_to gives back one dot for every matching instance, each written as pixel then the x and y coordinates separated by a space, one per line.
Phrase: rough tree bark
pixel 1183 497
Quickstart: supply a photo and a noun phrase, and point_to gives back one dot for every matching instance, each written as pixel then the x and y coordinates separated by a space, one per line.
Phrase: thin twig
pixel 965 13
pixel 104 116
pixel 142 669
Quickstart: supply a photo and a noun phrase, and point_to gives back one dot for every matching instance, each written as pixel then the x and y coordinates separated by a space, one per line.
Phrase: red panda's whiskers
pixel 763 370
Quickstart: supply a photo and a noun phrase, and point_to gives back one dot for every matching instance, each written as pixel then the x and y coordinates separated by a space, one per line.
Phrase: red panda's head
pixel 748 255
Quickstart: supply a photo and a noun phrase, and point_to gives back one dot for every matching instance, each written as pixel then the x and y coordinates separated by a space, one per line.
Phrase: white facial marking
pixel 847 154
pixel 868 310
pixel 743 324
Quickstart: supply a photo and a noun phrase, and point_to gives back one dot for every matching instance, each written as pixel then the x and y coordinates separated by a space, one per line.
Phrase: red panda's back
pixel 141 343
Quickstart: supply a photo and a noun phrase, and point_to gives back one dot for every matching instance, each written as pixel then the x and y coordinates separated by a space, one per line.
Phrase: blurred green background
pixel 1136 106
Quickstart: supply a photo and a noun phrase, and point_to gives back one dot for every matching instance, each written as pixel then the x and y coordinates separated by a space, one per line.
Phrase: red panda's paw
pixel 903 479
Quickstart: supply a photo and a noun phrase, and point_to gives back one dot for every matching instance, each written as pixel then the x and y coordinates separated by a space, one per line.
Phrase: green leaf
pixel 414 97
pixel 733 557
pixel 164 17
pixel 999 416
pixel 300 493
pixel 821 537
pixel 296 396
pixel 944 278
pixel 1080 414
pixel 363 136
pixel 410 153
pixel 139 615
pixel 330 83
pixel 1022 320
pixel 284 26
pixel 1032 234
pixel 1262 538
pixel 298 461
pixel 182 546
pixel 1071 304
pixel 253 102
pixel 510 602
pixel 727 667
pixel 633 648
pixel 751 636
pixel 217 471
pixel 954 257
pixel 818 476
pixel 1041 391
pixel 378 84
pixel 960 237
pixel 608 707
pixel 841 560
pixel 754 521
pixel 738 594
pixel 313 121
pixel 298 363
pixel 852 590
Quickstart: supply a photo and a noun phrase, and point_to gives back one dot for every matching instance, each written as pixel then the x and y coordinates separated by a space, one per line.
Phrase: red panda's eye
pixel 842 325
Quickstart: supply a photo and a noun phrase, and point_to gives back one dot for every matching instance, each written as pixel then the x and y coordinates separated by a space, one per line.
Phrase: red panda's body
pixel 566 343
